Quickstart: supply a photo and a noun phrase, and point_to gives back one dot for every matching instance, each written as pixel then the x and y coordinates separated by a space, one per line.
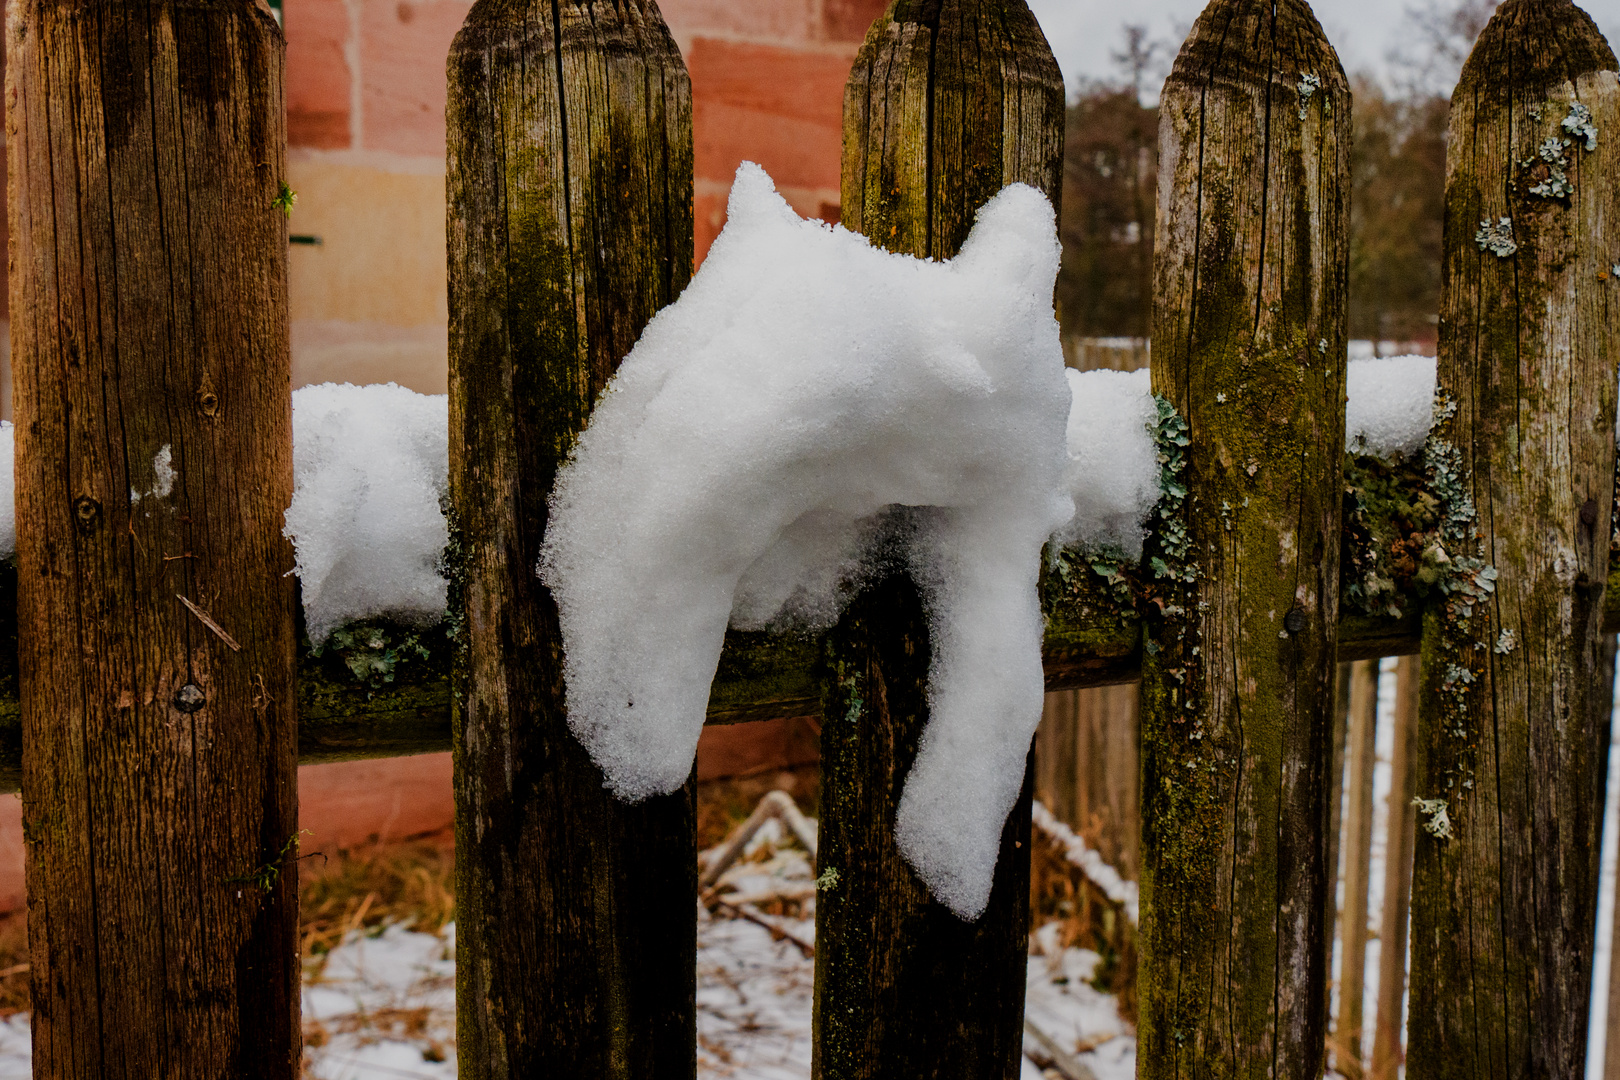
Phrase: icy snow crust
pixel 804 382
pixel 1113 472
pixel 370 464
pixel 1391 405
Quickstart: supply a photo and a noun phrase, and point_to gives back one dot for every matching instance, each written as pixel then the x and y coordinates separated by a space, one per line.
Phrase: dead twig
pixel 210 623
pixel 775 804
pixel 1065 1062
pixel 778 931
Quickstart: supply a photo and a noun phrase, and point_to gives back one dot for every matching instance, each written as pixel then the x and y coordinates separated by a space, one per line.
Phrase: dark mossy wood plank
pixel 948 102
pixel 1513 725
pixel 1249 343
pixel 147 150
pixel 570 224
pixel 903 986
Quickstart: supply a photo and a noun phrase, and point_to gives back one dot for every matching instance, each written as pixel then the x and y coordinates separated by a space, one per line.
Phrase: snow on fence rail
pixel 150 708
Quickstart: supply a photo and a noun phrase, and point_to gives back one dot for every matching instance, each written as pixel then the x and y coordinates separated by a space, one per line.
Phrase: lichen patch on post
pixel 1496 239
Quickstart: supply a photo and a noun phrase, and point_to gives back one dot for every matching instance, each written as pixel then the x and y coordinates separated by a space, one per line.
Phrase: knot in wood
pixel 86 514
pixel 1294 621
pixel 189 698
pixel 208 403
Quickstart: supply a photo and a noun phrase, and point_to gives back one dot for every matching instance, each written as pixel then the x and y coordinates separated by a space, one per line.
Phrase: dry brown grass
pixel 410 882
pixel 13 963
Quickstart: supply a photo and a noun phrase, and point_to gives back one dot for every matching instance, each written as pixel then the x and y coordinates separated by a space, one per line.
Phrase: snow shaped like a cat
pixel 805 381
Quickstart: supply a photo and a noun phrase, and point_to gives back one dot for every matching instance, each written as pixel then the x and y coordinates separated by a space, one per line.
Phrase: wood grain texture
pixel 1249 342
pixel 1512 732
pixel 948 101
pixel 146 147
pixel 570 225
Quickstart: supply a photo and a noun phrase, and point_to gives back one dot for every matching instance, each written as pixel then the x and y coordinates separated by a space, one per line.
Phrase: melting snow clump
pixel 1391 405
pixel 370 464
pixel 1113 471
pixel 744 455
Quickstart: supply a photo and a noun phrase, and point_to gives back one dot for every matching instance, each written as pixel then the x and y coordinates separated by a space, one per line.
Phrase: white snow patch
pixel 804 382
pixel 1089 860
pixel 359 1005
pixel 163 475
pixel 370 465
pixel 8 491
pixel 1113 471
pixel 1061 1000
pixel 1391 405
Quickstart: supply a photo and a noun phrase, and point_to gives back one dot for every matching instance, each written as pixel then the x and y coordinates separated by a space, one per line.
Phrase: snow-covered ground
pixel 382 1006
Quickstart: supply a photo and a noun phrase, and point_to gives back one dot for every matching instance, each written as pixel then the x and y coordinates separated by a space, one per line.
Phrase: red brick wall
pixel 767 84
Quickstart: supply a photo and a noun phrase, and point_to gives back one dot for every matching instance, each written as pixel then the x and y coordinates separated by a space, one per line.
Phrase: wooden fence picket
pixel 147 154
pixel 1512 725
pixel 156 675
pixel 570 225
pixel 948 101
pixel 1249 345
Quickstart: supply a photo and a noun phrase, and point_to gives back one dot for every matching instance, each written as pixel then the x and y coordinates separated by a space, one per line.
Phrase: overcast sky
pixel 1084 32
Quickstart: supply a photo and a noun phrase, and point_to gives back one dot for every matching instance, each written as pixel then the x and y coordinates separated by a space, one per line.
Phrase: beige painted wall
pixel 368 303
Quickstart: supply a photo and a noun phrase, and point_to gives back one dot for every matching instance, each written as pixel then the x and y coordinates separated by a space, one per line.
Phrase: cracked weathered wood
pixel 570 225
pixel 948 101
pixel 154 460
pixel 1512 729
pixel 1238 687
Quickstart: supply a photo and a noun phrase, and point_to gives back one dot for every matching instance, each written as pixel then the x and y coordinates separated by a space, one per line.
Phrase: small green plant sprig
pixel 264 877
pixel 284 200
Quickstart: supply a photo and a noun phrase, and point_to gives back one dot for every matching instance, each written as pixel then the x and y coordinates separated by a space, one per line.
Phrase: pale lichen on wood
pixel 1238 665
pixel 1513 725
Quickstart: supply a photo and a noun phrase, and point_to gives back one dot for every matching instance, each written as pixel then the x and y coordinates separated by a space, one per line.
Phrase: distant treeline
pixel 1105 287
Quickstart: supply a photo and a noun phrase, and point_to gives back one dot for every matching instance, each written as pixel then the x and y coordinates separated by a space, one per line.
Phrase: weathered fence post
pixel 570 225
pixel 948 101
pixel 147 153
pixel 1238 678
pixel 1512 734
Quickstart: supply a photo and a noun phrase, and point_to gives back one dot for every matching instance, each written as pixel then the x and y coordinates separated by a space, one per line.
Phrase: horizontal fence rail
pixel 387 692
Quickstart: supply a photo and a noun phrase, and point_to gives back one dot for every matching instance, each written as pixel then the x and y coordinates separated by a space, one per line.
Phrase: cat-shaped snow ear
pixel 1014 239
pixel 755 202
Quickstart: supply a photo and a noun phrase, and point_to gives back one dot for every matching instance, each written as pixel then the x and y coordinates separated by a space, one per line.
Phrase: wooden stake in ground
pixel 1512 732
pixel 1238 673
pixel 1341 737
pixel 147 154
pixel 1357 862
pixel 1387 1056
pixel 949 101
pixel 570 224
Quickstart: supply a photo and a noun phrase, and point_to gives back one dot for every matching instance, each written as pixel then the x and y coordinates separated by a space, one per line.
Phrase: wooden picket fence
pixel 159 704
